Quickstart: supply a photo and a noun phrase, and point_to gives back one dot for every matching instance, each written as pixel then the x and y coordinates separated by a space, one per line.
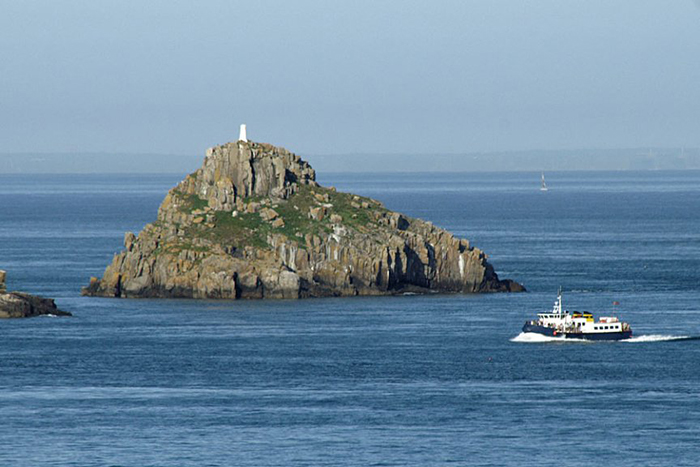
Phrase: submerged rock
pixel 253 223
pixel 24 305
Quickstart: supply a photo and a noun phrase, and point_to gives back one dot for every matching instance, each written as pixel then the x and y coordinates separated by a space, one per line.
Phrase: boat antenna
pixel 560 302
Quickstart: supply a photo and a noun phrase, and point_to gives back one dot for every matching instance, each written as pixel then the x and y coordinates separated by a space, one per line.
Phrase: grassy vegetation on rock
pixel 249 229
pixel 192 203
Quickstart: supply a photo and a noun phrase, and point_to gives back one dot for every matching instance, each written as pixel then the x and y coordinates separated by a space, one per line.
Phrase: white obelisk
pixel 242 135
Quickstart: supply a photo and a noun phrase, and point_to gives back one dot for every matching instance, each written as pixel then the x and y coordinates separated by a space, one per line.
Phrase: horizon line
pixel 433 153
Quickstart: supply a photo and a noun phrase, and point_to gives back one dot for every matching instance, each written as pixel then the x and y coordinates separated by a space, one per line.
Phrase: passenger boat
pixel 577 325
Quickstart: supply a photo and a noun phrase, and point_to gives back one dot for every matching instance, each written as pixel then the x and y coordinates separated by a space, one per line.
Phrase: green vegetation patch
pixel 249 229
pixel 189 203
pixel 243 230
pixel 353 217
pixel 295 213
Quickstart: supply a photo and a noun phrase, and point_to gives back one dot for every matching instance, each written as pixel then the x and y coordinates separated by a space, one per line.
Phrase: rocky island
pixel 24 305
pixel 253 222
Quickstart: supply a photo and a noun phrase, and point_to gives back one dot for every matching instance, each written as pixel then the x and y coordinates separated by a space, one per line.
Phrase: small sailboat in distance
pixel 544 185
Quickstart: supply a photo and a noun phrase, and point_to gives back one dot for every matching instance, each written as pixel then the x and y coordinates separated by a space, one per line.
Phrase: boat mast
pixel 560 304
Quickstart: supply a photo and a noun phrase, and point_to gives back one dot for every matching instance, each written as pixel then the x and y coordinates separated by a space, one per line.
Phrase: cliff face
pixel 24 305
pixel 253 223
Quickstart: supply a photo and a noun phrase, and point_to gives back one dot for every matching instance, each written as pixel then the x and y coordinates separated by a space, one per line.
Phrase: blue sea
pixel 382 381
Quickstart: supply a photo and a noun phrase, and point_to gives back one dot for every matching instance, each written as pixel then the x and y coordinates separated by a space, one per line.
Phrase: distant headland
pixel 621 159
pixel 252 222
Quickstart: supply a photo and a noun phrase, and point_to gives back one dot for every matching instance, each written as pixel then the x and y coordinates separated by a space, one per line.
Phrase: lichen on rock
pixel 253 223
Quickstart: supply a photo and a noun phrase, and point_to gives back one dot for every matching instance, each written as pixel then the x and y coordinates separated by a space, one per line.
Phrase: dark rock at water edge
pixel 253 223
pixel 24 305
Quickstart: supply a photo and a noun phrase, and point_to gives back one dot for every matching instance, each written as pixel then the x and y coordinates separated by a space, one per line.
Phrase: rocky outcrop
pixel 236 171
pixel 253 223
pixel 24 305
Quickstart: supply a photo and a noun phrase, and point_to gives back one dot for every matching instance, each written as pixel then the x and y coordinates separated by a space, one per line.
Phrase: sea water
pixel 406 380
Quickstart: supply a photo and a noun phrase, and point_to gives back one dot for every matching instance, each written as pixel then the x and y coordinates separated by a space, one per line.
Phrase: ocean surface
pixel 382 381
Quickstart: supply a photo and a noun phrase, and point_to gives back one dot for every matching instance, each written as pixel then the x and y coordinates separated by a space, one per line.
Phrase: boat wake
pixel 659 338
pixel 533 337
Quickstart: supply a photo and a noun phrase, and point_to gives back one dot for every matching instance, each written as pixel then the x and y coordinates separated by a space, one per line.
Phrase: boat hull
pixel 544 330
pixel 588 336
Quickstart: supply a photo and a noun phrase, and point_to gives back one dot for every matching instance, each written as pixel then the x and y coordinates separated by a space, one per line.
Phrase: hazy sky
pixel 340 77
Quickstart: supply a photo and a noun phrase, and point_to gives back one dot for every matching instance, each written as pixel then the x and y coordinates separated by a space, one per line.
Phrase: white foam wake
pixel 655 338
pixel 528 337
pixel 533 337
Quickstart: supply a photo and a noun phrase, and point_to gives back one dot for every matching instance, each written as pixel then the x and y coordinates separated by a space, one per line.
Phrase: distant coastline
pixel 632 159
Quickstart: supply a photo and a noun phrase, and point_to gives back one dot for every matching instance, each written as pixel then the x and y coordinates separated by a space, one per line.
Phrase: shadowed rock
pixel 253 223
pixel 24 305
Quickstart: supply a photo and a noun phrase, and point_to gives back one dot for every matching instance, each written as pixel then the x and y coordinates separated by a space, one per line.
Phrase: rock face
pixel 253 223
pixel 23 305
